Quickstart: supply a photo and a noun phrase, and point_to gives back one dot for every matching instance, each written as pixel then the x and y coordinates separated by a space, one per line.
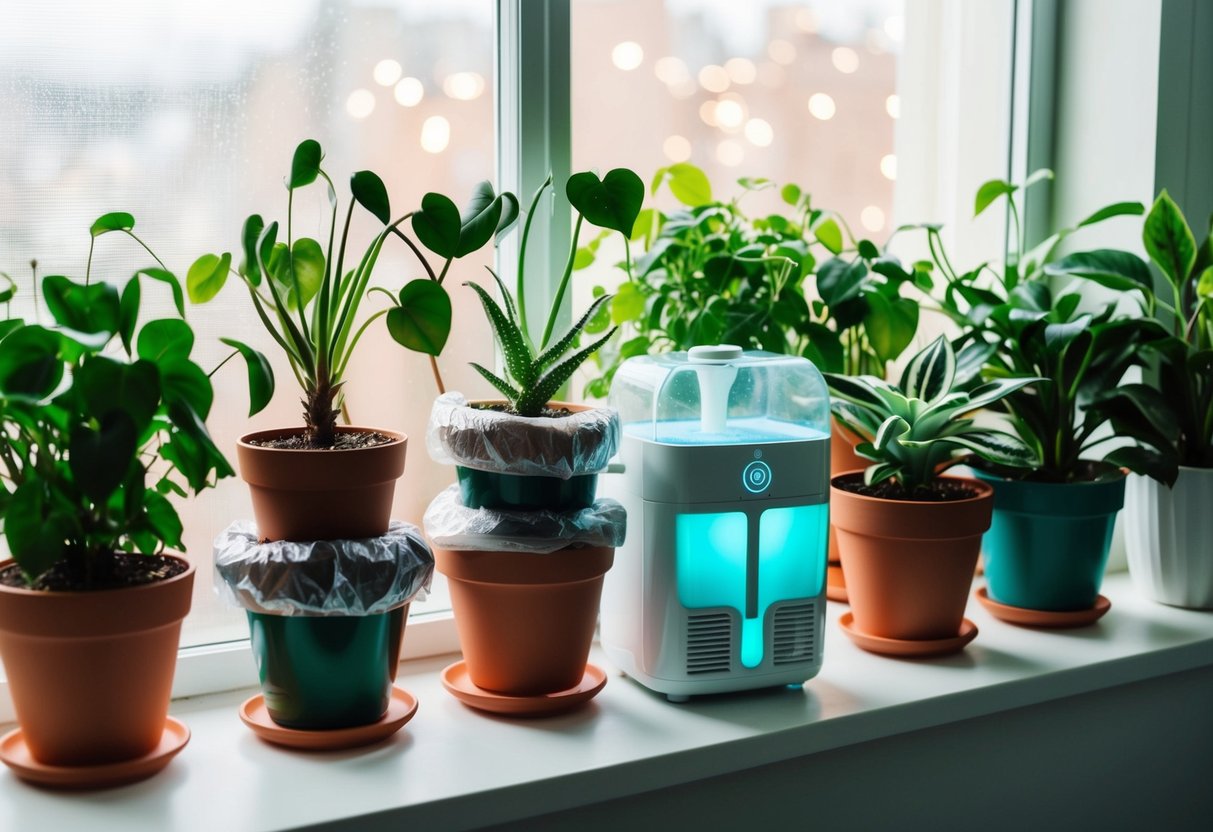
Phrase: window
pixel 185 115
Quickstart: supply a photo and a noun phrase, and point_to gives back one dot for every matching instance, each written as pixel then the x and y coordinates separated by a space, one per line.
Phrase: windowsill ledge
pixel 454 768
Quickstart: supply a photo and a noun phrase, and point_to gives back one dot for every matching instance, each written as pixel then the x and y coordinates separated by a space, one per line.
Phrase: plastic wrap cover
pixel 452 525
pixel 322 577
pixel 489 440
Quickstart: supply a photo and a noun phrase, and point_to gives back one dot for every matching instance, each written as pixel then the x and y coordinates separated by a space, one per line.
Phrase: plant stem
pixel 233 354
pixel 437 375
pixel 564 282
pixel 520 291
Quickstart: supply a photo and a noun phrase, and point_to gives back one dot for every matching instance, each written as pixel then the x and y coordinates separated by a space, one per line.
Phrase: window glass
pixel 185 115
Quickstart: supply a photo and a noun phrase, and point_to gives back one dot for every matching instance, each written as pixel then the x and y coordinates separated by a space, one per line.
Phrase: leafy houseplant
pixel 526 619
pixel 308 296
pixel 1166 528
pixel 1053 520
pixel 908 537
pixel 104 419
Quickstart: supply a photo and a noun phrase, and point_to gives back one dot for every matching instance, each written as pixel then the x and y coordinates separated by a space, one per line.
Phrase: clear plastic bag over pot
pixel 490 440
pixel 452 525
pixel 322 577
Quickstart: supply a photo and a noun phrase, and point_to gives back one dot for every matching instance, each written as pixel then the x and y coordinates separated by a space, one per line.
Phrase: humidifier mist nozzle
pixel 716 376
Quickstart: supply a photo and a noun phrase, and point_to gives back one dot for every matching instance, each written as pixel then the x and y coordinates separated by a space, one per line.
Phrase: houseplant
pixel 104 419
pixel 796 282
pixel 909 537
pixel 1052 526
pixel 322 482
pixel 1167 523
pixel 526 614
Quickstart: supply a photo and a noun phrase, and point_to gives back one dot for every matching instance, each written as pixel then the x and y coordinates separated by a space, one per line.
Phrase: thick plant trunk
pixel 320 415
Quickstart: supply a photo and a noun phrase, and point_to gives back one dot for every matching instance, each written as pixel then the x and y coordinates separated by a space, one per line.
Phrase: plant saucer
pixel 16 755
pixel 400 709
pixel 1025 617
pixel 909 648
pixel 456 680
pixel 836 584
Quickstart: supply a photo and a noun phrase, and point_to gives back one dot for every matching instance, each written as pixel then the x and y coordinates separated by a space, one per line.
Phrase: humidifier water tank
pixel 720 585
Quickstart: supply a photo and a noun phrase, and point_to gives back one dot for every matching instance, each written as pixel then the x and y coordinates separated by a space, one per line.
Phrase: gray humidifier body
pixel 720 585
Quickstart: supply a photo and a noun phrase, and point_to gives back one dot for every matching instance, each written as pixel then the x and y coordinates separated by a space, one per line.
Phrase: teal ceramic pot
pixel 1048 542
pixel 327 672
pixel 513 492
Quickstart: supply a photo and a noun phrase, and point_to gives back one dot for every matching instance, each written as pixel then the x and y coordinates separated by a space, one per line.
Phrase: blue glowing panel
pixel 791 553
pixel 711 552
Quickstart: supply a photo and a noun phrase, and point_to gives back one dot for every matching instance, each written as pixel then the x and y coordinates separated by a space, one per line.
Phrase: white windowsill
pixel 453 768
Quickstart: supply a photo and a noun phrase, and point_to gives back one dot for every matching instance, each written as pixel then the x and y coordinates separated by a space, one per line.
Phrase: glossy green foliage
pixel 794 281
pixel 919 428
pixel 104 417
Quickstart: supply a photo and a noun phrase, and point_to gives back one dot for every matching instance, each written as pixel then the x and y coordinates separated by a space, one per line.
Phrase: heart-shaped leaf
pixel 305 165
pixel 480 220
pixel 165 338
pixel 182 382
pixel 260 375
pixel 100 458
pixel 828 234
pixel 307 260
pixel 104 386
pixel 116 221
pixel 36 528
pixel 87 308
pixel 250 267
pixel 370 192
pixel 990 191
pixel 437 225
pixel 170 279
pixel 612 202
pixel 206 276
pixel 688 184
pixel 422 321
pixel 30 365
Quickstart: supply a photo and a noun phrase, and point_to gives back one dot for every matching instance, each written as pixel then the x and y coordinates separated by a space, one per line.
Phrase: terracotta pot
pixel 321 495
pixel 525 620
pixel 842 459
pixel 1167 537
pixel 120 645
pixel 909 565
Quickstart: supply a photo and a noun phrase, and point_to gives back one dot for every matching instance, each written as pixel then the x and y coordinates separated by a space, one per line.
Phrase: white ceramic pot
pixel 1169 538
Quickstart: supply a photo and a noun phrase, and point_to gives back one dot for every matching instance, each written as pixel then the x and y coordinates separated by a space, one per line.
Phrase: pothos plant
pixel 1171 414
pixel 309 301
pixel 1017 325
pixel 535 369
pixel 916 430
pixel 104 419
pixel 796 281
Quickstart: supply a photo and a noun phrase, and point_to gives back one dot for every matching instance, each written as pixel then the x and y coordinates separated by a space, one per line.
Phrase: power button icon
pixel 756 477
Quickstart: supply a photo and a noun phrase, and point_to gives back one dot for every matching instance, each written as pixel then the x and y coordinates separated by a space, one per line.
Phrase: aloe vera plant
pixel 916 430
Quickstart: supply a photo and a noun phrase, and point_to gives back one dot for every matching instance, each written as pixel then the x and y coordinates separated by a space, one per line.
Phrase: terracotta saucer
pixel 836 585
pixel 400 710
pixel 1025 617
pixel 909 648
pixel 456 680
pixel 16 755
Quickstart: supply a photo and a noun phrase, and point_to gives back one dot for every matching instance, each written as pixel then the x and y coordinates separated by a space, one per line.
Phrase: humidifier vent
pixel 795 626
pixel 709 643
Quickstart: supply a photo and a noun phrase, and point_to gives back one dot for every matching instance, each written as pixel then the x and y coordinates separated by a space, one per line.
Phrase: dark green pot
pixel 486 489
pixel 1048 542
pixel 327 672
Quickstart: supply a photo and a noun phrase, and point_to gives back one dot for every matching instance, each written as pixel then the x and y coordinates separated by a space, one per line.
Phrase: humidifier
pixel 725 478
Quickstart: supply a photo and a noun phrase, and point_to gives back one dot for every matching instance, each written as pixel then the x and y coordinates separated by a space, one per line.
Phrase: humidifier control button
pixel 756 477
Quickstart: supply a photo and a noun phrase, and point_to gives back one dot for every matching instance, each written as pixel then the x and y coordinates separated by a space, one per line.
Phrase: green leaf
pixel 868 250
pixel 249 235
pixel 100 458
pixel 688 184
pixel 1204 285
pixel 790 194
pixel 824 347
pixel 1038 175
pixel 422 321
pixel 560 347
pixel 755 183
pixel 509 213
pixel 305 165
pixel 1147 463
pixel 37 529
pixel 1059 336
pixel 627 304
pixel 996 446
pixel 858 390
pixel 839 281
pixel 104 386
pixel 480 219
pixel 165 338
pixel 128 312
pixel 1117 270
pixel 117 221
pixel 990 191
pixel 1116 209
pixel 1169 240
pixel 828 234
pixel 307 258
pixel 502 386
pixel 930 373
pixel 890 325
pixel 647 225
pixel 437 225
pixel 206 276
pixel 260 375
pixel 612 202
pixel 167 277
pixel 513 346
pixel 85 308
pixel 993 391
pixel 30 365
pixel 370 192
pixel 182 382
pixel 163 519
pixel 890 431
pixel 533 400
